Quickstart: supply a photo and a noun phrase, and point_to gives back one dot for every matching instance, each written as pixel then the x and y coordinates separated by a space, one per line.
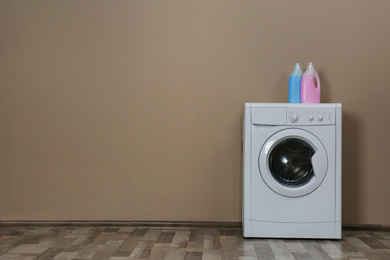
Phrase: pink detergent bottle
pixel 310 91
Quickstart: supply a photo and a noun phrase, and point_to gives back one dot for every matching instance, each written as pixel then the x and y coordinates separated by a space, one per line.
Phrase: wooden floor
pixel 120 243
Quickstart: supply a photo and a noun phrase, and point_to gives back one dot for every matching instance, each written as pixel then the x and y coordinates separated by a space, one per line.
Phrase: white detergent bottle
pixel 310 86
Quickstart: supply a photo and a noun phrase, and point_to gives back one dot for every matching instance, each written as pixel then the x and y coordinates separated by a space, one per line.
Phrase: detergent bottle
pixel 294 85
pixel 310 86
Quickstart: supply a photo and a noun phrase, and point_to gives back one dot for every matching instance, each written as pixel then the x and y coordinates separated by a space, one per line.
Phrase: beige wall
pixel 131 110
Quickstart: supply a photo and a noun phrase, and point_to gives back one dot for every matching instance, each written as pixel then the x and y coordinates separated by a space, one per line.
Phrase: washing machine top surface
pixel 250 104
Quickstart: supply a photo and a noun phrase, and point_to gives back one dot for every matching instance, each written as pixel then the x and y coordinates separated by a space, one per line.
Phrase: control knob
pixel 294 117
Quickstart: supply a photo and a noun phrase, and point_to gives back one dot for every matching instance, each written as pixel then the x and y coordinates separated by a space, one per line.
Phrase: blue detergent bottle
pixel 294 85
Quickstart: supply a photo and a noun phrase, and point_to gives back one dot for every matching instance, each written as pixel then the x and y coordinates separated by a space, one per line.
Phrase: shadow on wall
pixel 326 89
pixel 352 170
pixel 280 89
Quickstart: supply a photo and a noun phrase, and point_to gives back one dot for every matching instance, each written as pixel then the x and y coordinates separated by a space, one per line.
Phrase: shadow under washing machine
pixel 292 170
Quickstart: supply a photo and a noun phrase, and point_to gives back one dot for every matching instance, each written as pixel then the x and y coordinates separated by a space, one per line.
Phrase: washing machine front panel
pixel 293 162
pixel 266 205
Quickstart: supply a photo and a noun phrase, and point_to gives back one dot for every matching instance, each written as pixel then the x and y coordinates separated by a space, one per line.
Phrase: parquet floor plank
pixel 177 243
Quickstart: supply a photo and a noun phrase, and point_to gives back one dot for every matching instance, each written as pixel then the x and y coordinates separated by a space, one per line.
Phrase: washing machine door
pixel 293 162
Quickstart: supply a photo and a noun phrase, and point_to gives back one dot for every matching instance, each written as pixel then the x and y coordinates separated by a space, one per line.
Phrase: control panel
pixel 311 116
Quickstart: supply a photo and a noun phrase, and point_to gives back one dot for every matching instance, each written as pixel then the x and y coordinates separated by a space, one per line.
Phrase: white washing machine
pixel 292 170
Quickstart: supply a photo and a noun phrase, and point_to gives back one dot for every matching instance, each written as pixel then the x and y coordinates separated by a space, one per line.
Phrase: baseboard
pixel 191 224
pixel 366 228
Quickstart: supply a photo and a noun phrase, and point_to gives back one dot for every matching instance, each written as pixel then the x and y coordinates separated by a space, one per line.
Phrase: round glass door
pixel 290 162
pixel 293 162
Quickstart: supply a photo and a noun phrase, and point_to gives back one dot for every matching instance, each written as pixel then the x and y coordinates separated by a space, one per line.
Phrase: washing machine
pixel 292 170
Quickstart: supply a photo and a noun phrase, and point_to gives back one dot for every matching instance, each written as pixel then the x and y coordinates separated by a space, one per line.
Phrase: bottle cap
pixel 310 65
